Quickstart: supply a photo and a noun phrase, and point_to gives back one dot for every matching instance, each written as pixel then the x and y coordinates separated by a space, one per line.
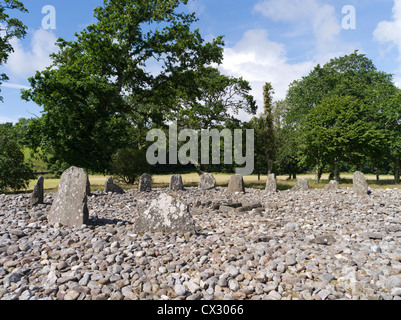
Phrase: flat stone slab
pixel 166 213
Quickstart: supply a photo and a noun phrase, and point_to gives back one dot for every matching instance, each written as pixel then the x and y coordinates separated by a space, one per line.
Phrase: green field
pixel 192 179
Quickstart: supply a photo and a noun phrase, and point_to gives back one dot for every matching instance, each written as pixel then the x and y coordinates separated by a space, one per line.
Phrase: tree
pixel 128 164
pixel 9 28
pixel 337 111
pixel 104 83
pixel 14 172
pixel 269 139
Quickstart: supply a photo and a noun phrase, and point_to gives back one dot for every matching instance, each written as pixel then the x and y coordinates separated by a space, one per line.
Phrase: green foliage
pixel 10 28
pixel 103 88
pixel 128 164
pixel 340 112
pixel 14 172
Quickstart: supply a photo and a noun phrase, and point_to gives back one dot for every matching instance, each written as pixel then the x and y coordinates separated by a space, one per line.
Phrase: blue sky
pixel 275 41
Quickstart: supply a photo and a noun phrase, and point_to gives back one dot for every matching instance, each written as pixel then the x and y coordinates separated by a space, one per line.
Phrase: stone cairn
pixel 38 193
pixel 70 204
pixel 360 184
pixel 271 183
pixel 145 183
pixel 176 183
pixel 236 184
pixel 207 181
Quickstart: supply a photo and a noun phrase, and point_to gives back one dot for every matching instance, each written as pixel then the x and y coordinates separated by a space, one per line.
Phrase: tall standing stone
pixel 176 183
pixel 38 193
pixel 236 184
pixel 145 183
pixel 360 184
pixel 301 185
pixel 207 181
pixel 70 204
pixel 271 183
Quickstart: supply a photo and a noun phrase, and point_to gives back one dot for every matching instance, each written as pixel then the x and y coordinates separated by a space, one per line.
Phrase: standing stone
pixel 70 204
pixel 164 214
pixel 360 184
pixel 236 184
pixel 176 183
pixel 207 181
pixel 110 186
pixel 271 183
pixel 301 185
pixel 332 185
pixel 38 193
pixel 145 183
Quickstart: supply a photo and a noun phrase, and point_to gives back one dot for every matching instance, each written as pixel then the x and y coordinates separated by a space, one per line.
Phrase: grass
pixel 192 180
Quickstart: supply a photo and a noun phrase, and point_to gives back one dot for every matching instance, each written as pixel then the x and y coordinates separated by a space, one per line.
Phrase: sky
pixel 277 41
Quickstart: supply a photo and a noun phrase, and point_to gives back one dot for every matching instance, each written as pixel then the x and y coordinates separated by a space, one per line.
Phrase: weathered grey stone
pixel 207 181
pixel 110 186
pixel 145 183
pixel 301 185
pixel 236 184
pixel 70 205
pixel 167 214
pixel 176 183
pixel 360 184
pixel 271 183
pixel 332 185
pixel 38 192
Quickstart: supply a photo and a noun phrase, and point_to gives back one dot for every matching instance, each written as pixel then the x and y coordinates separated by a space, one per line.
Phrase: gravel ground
pixel 316 245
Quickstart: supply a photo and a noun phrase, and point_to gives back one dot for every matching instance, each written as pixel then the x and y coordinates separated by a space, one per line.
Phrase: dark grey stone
pixel 176 183
pixel 70 204
pixel 38 193
pixel 110 186
pixel 145 183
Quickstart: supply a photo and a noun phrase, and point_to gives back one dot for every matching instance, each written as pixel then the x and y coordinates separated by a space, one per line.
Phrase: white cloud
pixel 23 63
pixel 14 86
pixel 389 31
pixel 308 16
pixel 259 60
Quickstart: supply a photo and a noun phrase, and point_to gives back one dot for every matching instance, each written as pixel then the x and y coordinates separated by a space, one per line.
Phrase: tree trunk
pixel 336 174
pixel 269 166
pixel 318 174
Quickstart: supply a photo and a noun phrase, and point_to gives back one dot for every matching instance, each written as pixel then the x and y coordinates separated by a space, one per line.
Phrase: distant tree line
pixel 142 65
pixel 343 116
